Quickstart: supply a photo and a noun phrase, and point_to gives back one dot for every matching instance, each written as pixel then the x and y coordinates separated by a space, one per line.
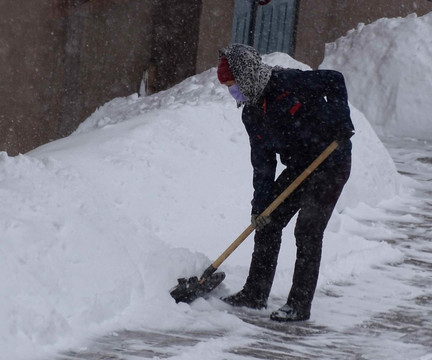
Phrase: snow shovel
pixel 188 290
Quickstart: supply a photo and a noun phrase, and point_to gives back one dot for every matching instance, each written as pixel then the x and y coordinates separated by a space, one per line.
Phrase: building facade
pixel 301 28
pixel 324 21
pixel 62 59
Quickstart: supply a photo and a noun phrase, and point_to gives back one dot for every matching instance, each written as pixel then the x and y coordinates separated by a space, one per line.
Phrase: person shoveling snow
pixel 294 114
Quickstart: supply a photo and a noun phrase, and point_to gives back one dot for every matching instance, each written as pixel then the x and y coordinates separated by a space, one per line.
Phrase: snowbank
pixel 97 227
pixel 388 69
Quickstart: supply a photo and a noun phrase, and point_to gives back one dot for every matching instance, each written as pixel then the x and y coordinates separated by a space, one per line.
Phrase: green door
pixel 275 25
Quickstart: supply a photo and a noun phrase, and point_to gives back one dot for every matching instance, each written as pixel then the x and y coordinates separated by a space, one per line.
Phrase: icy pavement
pixel 356 320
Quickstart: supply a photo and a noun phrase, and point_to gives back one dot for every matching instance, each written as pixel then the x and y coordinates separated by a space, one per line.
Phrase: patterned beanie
pixel 250 73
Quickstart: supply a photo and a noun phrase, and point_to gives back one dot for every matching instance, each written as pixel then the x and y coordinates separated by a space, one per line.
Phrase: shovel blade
pixel 188 290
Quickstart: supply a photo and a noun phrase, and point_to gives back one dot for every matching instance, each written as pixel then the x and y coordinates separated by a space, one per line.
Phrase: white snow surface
pixel 388 70
pixel 96 228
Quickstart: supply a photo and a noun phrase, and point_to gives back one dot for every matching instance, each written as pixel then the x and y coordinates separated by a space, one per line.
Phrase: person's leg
pixel 317 204
pixel 267 243
pixel 264 261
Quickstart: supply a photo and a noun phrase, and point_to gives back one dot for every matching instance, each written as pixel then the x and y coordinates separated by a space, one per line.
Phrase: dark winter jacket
pixel 300 114
pixel 293 113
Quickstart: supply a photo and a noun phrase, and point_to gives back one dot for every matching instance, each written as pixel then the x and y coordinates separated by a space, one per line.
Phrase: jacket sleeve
pixel 264 170
pixel 263 159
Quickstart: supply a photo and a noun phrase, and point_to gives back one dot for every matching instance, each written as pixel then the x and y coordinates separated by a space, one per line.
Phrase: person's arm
pixel 262 158
pixel 264 170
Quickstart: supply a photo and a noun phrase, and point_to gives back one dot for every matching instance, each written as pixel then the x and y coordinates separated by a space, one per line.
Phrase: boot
pixel 242 298
pixel 287 313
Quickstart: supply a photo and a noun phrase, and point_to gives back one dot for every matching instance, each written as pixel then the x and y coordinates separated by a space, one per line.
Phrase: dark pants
pixel 315 200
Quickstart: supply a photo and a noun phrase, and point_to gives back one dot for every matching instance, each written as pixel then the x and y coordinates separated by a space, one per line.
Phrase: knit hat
pixel 251 74
pixel 223 72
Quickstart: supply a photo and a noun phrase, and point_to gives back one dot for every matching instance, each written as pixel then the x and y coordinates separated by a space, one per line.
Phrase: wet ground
pixel 402 330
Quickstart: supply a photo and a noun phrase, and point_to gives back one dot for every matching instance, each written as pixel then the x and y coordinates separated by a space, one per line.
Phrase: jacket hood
pixel 250 73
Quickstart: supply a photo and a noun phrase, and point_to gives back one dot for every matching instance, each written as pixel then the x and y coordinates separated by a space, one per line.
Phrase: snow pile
pixel 388 69
pixel 97 227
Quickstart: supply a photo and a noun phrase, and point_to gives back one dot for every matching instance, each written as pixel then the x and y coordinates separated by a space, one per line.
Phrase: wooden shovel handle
pixel 279 200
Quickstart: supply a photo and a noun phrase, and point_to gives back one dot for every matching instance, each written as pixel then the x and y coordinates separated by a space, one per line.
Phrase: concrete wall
pixel 29 73
pixel 214 33
pixel 61 59
pixel 324 21
pixel 107 49
pixel 187 35
pixel 175 37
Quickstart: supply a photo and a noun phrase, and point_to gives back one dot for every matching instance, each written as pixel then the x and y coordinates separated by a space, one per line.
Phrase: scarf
pixel 250 73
